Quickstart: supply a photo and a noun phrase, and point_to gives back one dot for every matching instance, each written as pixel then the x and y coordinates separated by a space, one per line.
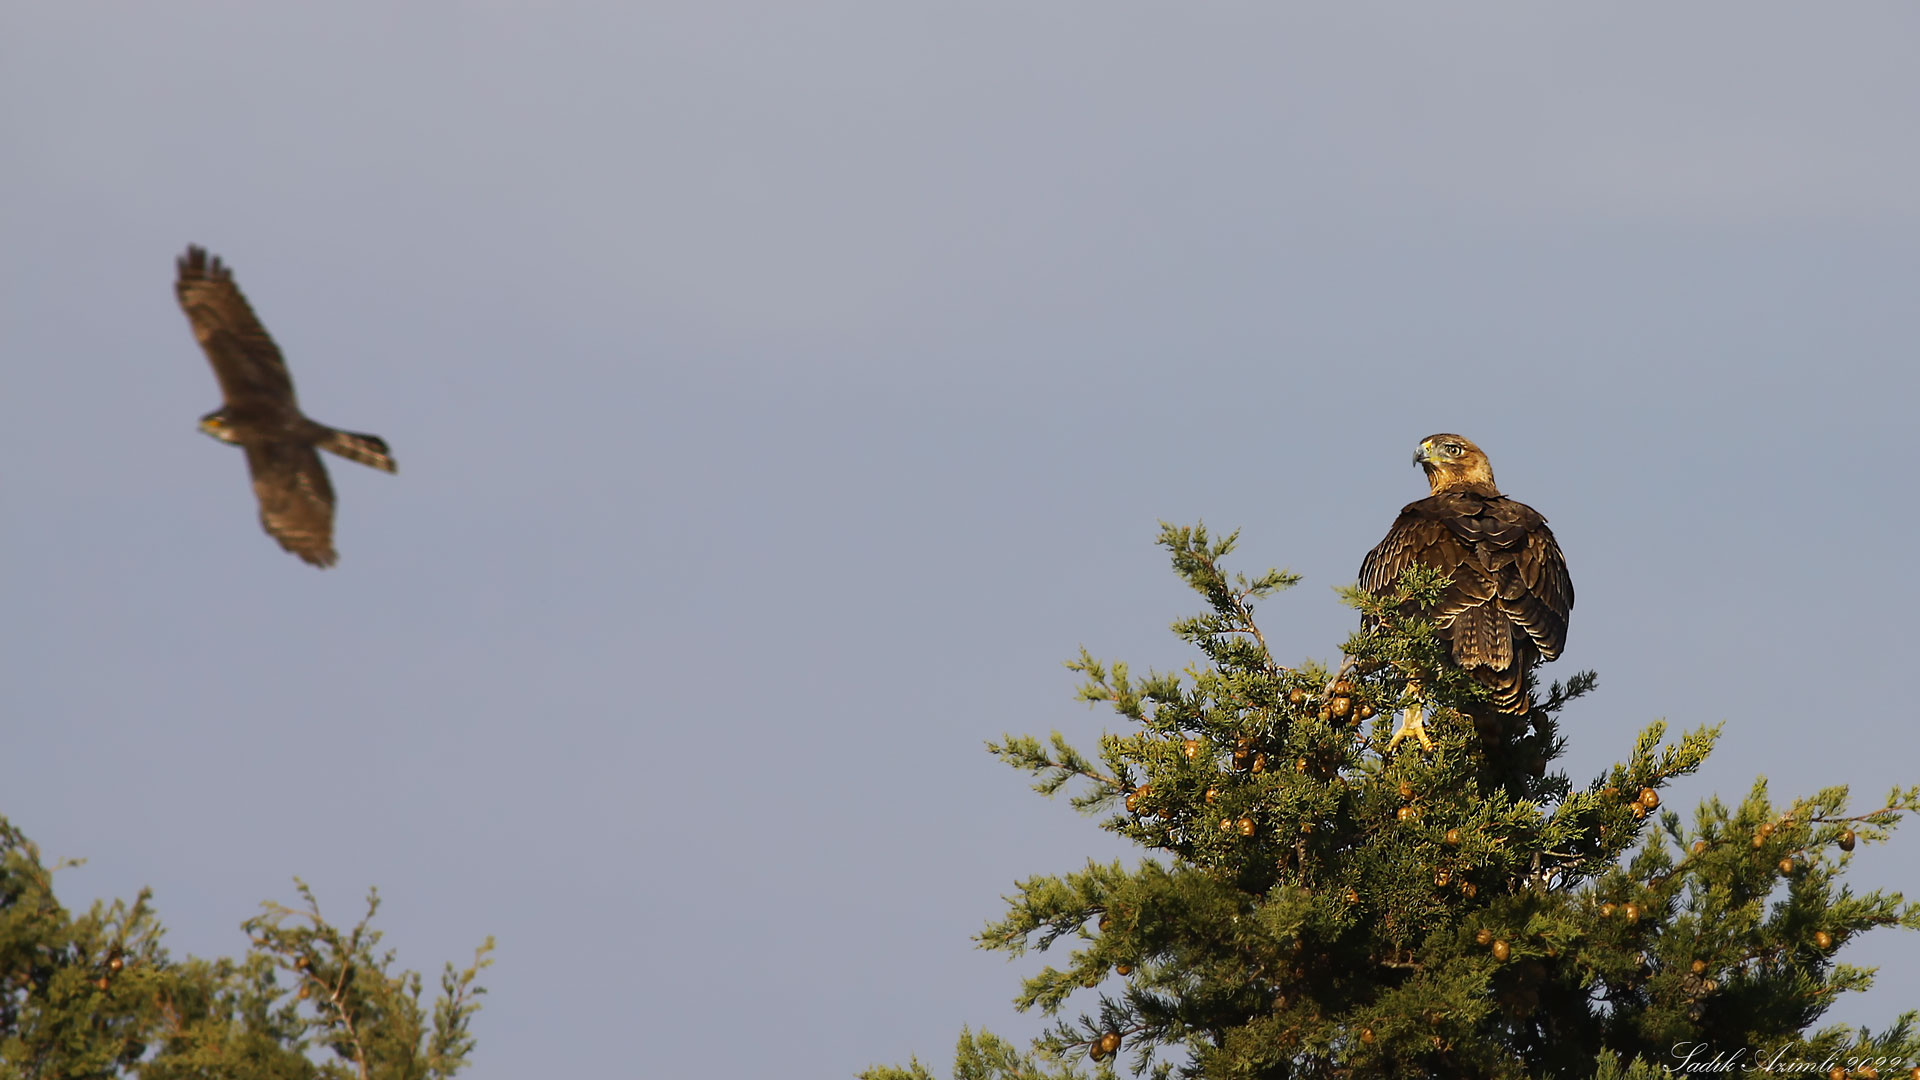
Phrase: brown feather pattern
pixel 251 371
pixel 1508 606
pixel 296 499
pixel 262 415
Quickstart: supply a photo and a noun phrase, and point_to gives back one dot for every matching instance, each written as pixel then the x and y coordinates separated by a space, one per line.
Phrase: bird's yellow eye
pixel 1454 449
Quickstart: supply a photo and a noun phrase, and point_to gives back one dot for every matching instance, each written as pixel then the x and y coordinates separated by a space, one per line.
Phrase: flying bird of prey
pixel 262 416
pixel 1507 607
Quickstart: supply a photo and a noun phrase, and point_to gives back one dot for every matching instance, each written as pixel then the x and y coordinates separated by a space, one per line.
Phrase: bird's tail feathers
pixel 1510 689
pixel 365 449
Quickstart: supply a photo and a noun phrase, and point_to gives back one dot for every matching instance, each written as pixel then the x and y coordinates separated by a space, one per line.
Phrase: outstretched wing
pixel 245 360
pixel 296 499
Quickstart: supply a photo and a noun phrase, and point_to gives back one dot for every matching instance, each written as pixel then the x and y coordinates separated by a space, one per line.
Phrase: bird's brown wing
pixel 1535 591
pixel 245 359
pixel 1406 544
pixel 1508 575
pixel 296 498
pixel 1428 533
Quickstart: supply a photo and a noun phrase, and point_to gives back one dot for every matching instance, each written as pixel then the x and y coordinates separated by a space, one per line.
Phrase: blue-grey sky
pixel 782 391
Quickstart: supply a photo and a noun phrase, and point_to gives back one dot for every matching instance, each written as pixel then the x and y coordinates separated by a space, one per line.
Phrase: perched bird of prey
pixel 262 416
pixel 1507 607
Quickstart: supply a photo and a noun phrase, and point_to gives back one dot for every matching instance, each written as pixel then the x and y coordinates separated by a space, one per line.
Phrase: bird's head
pixel 215 424
pixel 1454 464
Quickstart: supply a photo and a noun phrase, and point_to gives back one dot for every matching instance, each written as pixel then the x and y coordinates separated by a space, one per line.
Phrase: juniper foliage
pixel 1319 908
pixel 98 995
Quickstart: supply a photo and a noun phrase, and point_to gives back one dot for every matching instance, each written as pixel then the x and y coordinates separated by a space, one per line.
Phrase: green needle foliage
pixel 96 995
pixel 1321 908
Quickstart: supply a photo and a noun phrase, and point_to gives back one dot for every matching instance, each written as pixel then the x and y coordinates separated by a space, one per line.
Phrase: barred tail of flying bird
pixel 365 449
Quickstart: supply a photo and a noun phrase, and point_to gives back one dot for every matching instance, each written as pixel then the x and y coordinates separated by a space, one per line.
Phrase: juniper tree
pixel 98 995
pixel 1320 908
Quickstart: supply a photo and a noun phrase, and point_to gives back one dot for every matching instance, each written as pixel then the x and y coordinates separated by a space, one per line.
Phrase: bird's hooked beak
pixel 1424 454
pixel 216 426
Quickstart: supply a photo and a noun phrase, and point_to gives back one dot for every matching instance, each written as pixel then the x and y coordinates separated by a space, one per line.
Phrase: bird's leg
pixel 1413 721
